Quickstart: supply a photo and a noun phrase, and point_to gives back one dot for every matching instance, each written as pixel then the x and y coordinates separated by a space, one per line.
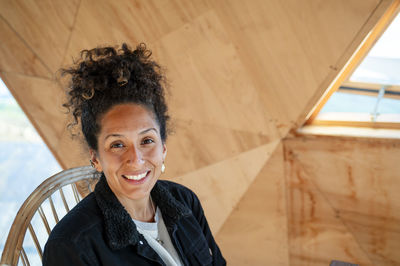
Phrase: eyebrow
pixel 140 133
pixel 147 130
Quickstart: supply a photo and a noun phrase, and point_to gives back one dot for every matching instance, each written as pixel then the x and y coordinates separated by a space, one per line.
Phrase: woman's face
pixel 130 151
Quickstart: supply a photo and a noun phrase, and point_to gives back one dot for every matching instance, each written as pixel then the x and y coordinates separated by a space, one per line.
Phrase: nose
pixel 134 156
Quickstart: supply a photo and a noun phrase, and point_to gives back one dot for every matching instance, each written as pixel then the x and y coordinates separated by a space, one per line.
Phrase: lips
pixel 136 177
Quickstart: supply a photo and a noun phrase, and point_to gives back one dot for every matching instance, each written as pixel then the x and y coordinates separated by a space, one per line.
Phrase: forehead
pixel 127 117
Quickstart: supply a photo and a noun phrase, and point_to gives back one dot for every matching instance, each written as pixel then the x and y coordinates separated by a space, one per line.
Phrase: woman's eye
pixel 147 141
pixel 117 145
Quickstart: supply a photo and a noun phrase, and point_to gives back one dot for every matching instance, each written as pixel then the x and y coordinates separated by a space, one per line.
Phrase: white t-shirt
pixel 157 236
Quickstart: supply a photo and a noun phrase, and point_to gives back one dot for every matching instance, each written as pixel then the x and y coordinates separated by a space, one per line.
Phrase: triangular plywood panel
pixel 17 57
pixel 199 145
pixel 220 186
pixel 255 233
pixel 113 22
pixel 223 93
pixel 45 26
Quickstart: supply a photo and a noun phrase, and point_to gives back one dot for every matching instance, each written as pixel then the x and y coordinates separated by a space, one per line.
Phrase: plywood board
pixel 213 86
pixel 316 235
pixel 198 145
pixel 360 179
pixel 255 233
pixel 17 57
pixel 360 175
pixel 232 64
pixel 378 236
pixel 45 26
pixel 101 22
pixel 220 186
pixel 289 48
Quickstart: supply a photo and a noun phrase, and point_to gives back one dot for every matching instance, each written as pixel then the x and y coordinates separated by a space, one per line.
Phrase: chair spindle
pixel 24 258
pixel 44 219
pixel 76 193
pixel 53 209
pixel 35 240
pixel 63 199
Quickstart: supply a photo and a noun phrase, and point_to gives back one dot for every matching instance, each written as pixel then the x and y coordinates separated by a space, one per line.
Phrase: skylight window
pixel 370 96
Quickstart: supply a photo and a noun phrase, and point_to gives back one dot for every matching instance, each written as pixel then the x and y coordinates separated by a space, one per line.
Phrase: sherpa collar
pixel 120 229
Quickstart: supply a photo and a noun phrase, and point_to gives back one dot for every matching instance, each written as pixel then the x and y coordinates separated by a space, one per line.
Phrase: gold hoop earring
pixel 91 163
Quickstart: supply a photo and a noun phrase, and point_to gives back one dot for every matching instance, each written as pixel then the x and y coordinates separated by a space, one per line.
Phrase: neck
pixel 141 210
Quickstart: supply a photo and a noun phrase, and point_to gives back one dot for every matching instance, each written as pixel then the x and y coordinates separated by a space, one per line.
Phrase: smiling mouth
pixel 136 177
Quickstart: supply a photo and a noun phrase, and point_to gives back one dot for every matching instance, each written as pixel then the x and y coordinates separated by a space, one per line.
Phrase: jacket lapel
pixel 120 229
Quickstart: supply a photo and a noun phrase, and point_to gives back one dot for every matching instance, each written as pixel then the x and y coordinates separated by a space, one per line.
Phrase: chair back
pixel 78 181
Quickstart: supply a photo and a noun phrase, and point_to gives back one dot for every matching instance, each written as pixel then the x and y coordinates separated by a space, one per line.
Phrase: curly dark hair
pixel 104 77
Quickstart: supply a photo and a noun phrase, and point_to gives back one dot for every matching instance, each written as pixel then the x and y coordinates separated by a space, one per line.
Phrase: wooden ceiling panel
pixel 218 93
pixel 288 48
pixel 199 145
pixel 103 22
pixel 255 233
pixel 231 64
pixel 220 186
pixel 44 26
pixel 241 74
pixel 16 56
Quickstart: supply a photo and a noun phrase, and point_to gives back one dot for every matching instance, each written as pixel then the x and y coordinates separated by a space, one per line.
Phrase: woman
pixel 131 218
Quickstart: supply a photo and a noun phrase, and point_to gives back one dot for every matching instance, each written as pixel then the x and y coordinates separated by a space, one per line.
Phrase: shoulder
pixel 83 218
pixel 178 191
pixel 174 187
pixel 70 240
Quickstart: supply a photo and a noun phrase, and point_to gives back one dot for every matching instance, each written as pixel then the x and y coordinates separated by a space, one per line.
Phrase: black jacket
pixel 99 231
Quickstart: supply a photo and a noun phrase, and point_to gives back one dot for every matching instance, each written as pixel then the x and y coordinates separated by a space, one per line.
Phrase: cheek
pixel 110 162
pixel 156 155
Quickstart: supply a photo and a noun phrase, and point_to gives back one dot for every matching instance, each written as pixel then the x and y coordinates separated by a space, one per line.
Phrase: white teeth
pixel 136 177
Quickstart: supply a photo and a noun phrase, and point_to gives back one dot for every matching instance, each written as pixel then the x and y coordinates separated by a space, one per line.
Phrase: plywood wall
pixel 343 201
pixel 233 66
pixel 256 232
pixel 242 74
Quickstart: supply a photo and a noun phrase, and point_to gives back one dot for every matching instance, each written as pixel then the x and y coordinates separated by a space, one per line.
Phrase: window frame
pixel 342 80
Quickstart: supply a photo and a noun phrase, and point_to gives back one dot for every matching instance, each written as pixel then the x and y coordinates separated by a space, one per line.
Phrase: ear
pixel 95 160
pixel 164 151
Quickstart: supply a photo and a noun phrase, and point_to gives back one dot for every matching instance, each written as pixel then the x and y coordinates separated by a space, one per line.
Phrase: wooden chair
pixel 77 181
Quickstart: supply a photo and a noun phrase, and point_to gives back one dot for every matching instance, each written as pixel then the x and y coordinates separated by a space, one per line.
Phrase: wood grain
pixel 221 185
pixel 44 26
pixel 198 145
pixel 255 232
pixel 241 73
pixel 351 181
pixel 289 48
pixel 17 57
